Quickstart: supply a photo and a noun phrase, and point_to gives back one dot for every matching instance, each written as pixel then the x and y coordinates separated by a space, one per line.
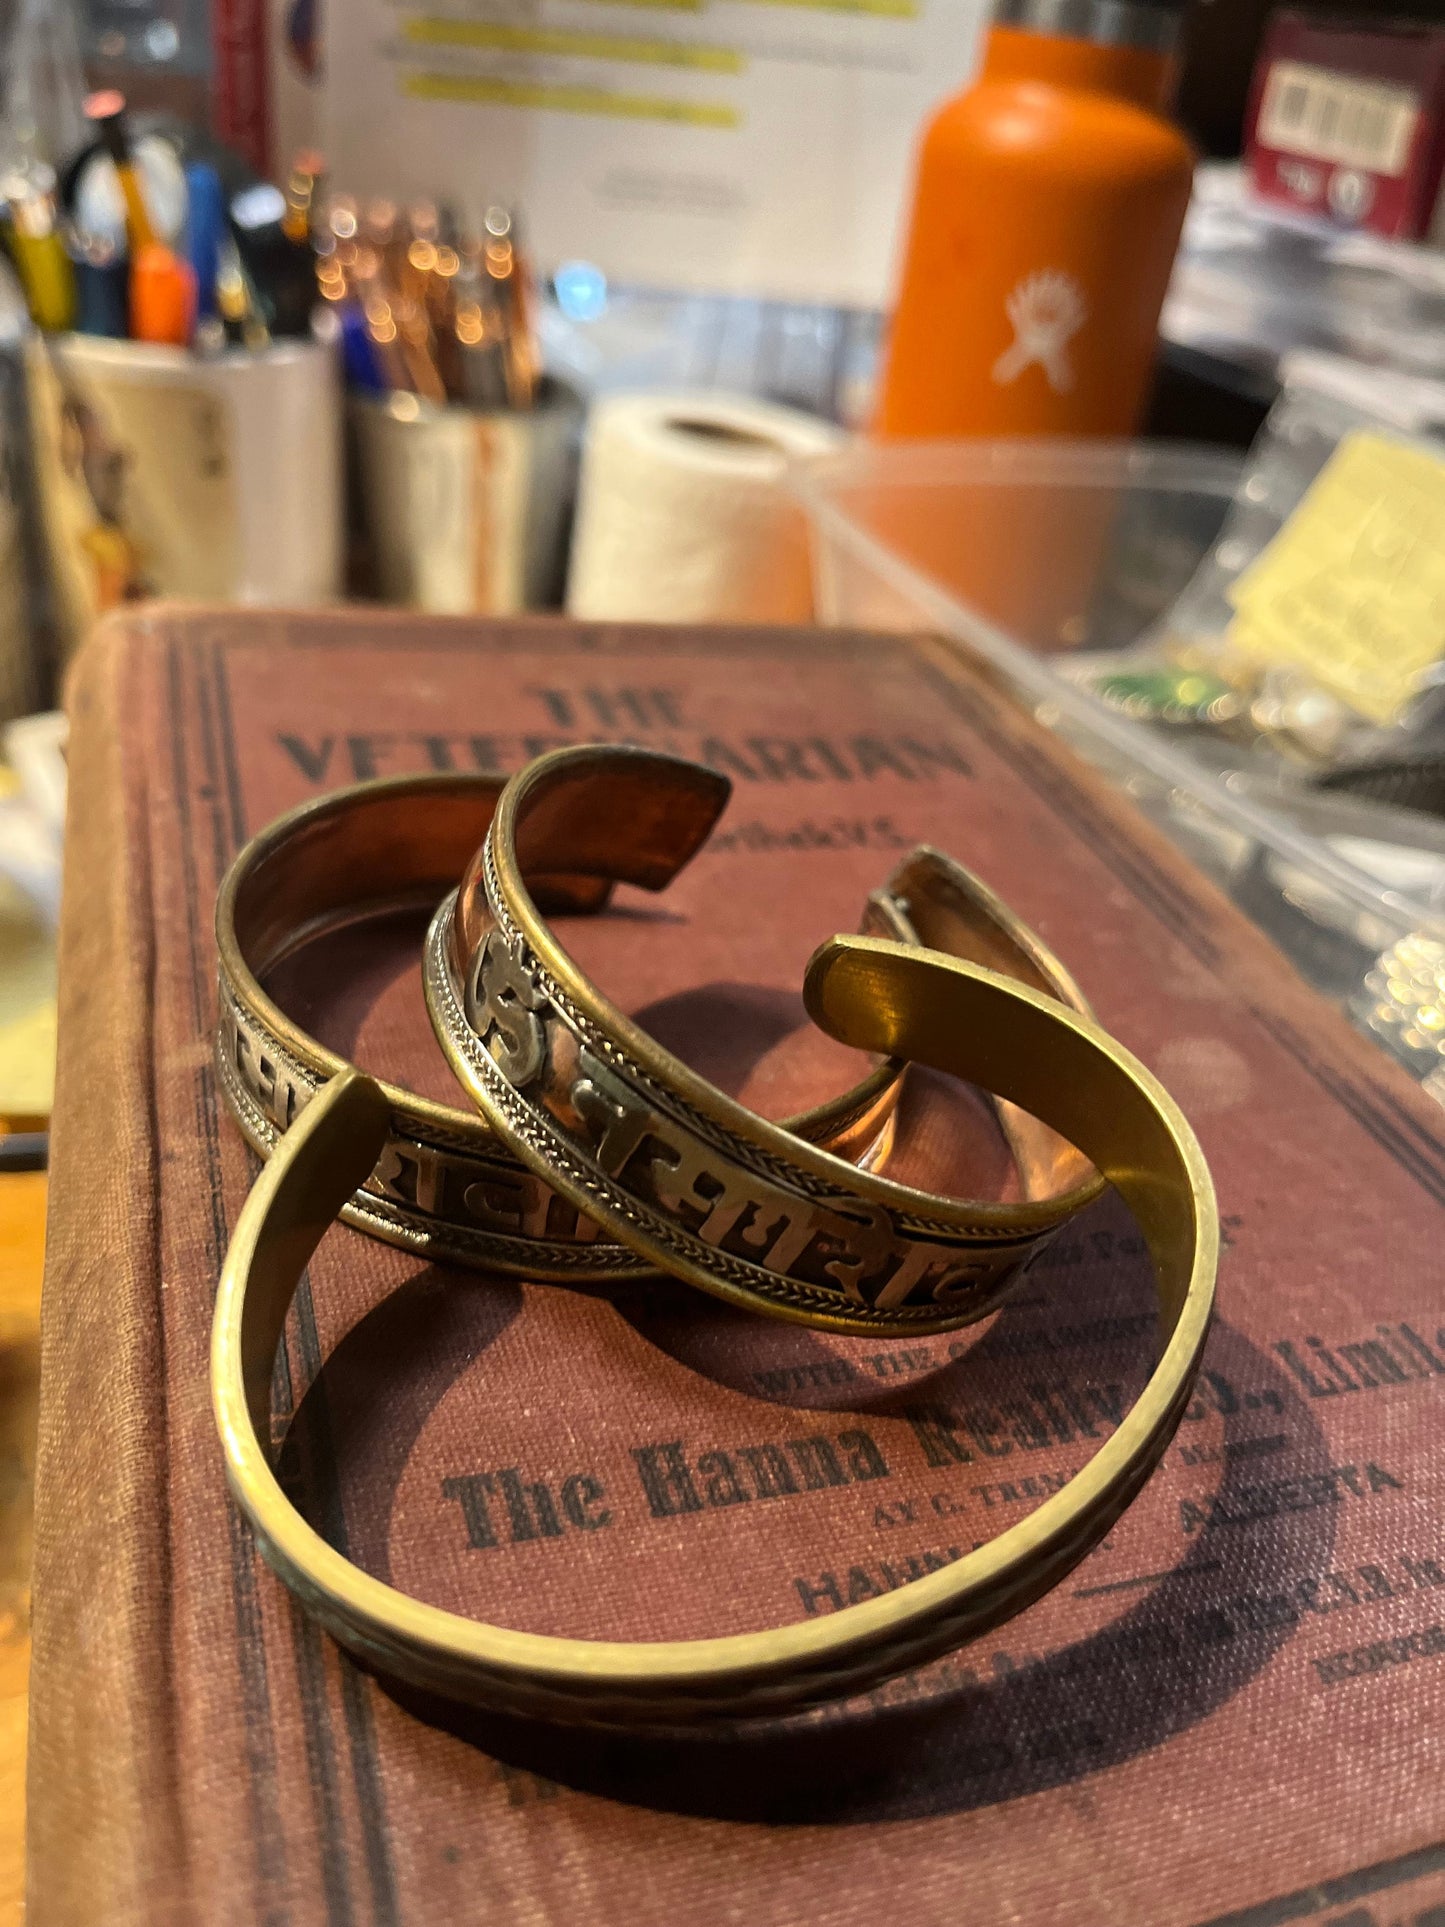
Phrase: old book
pixel 1231 1712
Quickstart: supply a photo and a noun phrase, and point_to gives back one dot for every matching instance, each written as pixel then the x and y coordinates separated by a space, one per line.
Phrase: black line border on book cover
pixel 356 1706
pixel 255 1684
pixel 1307 1902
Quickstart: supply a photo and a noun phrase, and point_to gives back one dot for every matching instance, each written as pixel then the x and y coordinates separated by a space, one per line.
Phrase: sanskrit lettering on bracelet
pixel 502 1000
pixel 852 1248
pixel 492 1196
pixel 849 1247
pixel 279 1093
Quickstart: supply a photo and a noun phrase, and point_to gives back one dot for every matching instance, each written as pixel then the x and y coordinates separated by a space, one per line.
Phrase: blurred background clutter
pixel 1105 336
pixel 1102 335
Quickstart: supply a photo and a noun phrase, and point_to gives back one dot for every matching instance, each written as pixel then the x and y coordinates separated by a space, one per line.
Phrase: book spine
pixel 102 1815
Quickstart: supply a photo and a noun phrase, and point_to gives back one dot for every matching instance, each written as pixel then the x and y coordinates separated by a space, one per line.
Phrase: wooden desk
pixel 22 1245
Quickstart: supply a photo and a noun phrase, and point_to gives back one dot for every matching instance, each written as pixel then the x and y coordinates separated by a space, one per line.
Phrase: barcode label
pixel 1331 117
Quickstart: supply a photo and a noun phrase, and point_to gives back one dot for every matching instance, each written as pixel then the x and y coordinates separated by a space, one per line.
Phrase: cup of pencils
pixel 185 424
pixel 464 452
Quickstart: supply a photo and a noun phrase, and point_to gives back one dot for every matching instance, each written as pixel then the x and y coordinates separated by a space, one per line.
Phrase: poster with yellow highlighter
pixel 756 147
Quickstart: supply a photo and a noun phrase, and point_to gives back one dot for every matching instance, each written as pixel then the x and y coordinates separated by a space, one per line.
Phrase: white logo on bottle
pixel 1047 310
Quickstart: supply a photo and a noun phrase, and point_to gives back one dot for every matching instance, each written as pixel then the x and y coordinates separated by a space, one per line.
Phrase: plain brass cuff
pixel 877 995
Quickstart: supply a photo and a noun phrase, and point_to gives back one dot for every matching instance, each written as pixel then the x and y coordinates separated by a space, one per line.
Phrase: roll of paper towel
pixel 684 516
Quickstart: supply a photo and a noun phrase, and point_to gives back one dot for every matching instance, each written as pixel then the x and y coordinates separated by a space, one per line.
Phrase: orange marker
pixel 162 297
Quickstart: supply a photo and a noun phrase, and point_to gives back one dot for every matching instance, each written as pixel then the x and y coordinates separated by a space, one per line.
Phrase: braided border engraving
pixel 412 1227
pixel 527 1124
pixel 737 1150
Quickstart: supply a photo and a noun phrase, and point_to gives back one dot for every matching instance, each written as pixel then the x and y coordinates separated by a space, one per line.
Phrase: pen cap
pixel 162 296
pixel 205 227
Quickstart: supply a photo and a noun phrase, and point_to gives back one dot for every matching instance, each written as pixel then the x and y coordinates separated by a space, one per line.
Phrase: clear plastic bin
pixel 1029 552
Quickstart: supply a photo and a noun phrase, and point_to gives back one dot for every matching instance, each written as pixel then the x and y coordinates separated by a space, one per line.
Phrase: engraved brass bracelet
pixel 690 1179
pixel 444 1186
pixel 874 994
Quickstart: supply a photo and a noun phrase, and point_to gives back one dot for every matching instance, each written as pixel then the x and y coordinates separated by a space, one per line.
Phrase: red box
pixel 1347 121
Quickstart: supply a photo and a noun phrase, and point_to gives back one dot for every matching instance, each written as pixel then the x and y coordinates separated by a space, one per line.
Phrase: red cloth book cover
pixel 1230 1713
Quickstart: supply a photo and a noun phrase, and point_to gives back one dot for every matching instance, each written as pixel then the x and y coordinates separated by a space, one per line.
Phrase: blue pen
pixel 205 230
pixel 358 354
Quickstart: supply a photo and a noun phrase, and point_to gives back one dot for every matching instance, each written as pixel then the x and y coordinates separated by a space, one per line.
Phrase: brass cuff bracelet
pixel 444 1186
pixel 690 1179
pixel 876 995
pixel 933 902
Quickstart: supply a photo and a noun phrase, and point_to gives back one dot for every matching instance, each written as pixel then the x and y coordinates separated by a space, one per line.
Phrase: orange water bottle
pixel 1046 211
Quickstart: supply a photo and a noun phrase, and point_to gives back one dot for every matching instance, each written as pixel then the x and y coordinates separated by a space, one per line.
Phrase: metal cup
pixel 466 509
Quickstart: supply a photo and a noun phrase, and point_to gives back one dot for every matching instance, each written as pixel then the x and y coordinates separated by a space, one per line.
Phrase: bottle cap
pixel 1109 23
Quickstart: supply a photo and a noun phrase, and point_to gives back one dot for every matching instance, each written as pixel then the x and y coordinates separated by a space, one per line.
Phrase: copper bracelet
pixel 671 1166
pixel 444 1186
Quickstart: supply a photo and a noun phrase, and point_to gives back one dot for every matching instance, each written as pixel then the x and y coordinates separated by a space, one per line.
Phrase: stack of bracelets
pixel 591 1153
